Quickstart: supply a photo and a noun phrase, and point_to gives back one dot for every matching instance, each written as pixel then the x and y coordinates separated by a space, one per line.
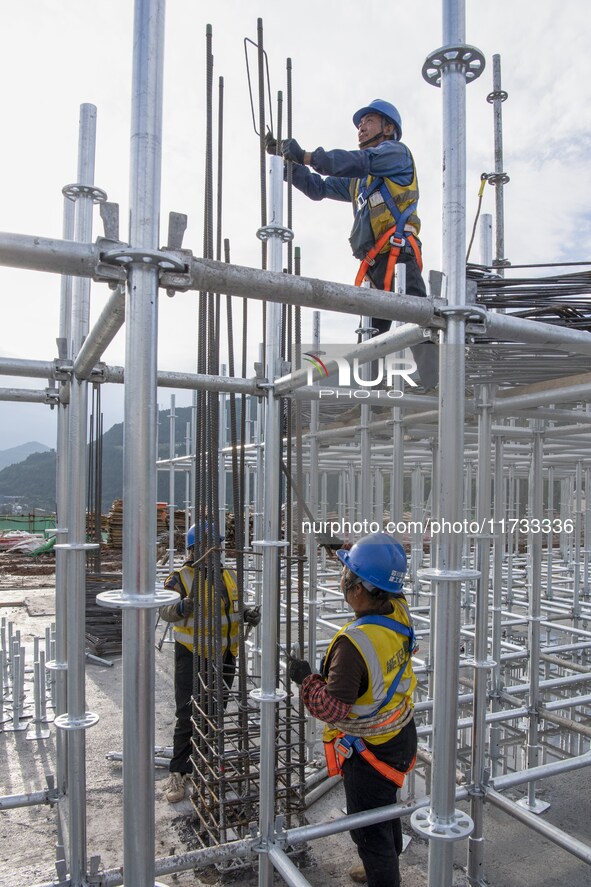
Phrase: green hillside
pixel 33 479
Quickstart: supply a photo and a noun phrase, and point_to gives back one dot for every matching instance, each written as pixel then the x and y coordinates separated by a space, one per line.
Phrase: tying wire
pixel 252 42
pixel 263 67
pixel 483 180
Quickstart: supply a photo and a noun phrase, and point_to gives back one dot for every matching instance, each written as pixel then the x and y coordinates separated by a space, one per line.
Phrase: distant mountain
pixel 33 479
pixel 20 453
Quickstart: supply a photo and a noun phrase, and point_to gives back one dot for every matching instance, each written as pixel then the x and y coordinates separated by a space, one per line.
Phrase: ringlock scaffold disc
pixel 470 59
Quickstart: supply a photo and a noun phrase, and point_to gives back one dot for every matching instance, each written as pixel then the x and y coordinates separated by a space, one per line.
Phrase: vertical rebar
pixel 171 482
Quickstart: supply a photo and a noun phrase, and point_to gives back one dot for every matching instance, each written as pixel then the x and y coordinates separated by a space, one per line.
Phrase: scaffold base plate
pixel 537 807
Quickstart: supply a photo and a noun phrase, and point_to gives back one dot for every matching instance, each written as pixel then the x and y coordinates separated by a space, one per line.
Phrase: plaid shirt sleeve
pixel 319 701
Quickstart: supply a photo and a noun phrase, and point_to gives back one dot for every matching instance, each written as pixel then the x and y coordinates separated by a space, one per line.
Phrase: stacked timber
pixel 103 627
pixel 115 523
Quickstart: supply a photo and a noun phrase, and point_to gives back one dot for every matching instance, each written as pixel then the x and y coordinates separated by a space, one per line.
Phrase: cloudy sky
pixel 58 54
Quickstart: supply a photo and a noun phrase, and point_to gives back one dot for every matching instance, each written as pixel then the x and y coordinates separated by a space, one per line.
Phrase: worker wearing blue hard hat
pixel 380 180
pixel 192 590
pixel 364 695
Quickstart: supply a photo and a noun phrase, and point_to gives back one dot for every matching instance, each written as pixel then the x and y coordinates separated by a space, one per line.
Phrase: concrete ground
pixel 514 855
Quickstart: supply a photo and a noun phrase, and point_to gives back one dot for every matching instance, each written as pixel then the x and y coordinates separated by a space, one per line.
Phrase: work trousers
pixel 183 691
pixel 378 845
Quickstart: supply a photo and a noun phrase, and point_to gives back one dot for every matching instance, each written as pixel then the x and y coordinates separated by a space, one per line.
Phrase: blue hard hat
pixel 203 528
pixel 379 106
pixel 378 559
pixel 191 537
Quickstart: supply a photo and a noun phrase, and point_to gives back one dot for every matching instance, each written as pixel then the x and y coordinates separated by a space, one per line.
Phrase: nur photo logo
pixel 358 378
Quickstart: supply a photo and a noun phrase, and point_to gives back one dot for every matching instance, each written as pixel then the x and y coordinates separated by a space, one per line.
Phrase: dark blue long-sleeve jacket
pixel 340 174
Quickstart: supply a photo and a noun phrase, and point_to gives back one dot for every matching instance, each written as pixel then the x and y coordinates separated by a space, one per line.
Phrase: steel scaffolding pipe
pixel 59 664
pixel 442 818
pixel 269 695
pixel 189 381
pixel 139 448
pixel 356 820
pixel 518 329
pixel 31 799
pixel 29 395
pixel 65 257
pixel 107 326
pixel 379 346
pixel 551 832
pixel 572 393
pixel 34 253
pixel 237 280
pixel 33 369
pixel 76 719
pixel 481 663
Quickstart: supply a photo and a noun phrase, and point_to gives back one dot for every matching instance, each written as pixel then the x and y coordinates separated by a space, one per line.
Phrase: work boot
pixel 174 790
pixel 357 874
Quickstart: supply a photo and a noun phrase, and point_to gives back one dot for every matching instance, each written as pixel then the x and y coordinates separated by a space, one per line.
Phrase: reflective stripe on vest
pixel 404 197
pixel 384 652
pixel 184 631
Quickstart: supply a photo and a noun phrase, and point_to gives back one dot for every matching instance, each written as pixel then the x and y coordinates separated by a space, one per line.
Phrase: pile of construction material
pixel 103 627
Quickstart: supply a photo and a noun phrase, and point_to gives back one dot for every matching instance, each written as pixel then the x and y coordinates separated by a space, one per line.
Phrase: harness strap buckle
pixel 343 747
pixel 361 201
pixel 397 241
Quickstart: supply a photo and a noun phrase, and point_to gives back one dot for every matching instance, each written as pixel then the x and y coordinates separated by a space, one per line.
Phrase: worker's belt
pixel 397 244
pixel 341 748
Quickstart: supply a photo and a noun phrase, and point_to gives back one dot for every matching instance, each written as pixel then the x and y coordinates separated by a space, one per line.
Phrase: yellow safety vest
pixel 184 631
pixel 384 652
pixel 380 216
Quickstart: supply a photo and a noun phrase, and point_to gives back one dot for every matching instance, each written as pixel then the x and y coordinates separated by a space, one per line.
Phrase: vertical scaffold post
pixel 59 665
pixel 481 662
pixel 139 447
pixel 268 695
pixel 76 720
pixel 499 179
pixel 530 802
pixel 449 67
pixel 138 598
pixel 311 725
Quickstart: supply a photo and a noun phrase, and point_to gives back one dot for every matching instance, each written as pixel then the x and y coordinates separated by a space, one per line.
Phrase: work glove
pixel 299 669
pixel 252 616
pixel 270 143
pixel 185 607
pixel 292 151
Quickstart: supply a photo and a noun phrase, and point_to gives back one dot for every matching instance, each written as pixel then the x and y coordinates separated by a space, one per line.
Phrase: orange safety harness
pixel 343 746
pixel 397 243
